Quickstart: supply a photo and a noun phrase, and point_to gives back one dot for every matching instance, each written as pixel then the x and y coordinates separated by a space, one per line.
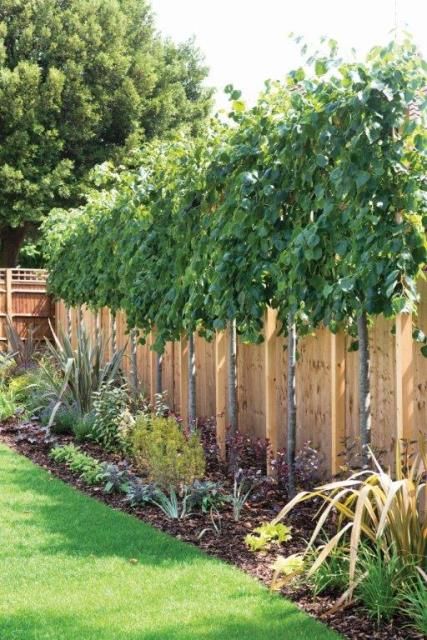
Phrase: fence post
pixel 270 345
pixel 183 379
pixel 220 391
pixel 404 377
pixel 337 399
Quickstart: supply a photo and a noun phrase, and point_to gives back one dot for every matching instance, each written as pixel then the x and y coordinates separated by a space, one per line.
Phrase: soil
pixel 29 439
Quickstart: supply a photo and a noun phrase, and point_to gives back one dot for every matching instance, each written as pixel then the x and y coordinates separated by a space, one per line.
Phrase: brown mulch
pixel 29 439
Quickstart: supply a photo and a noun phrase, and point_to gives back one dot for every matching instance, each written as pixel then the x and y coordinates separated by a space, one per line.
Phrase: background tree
pixel 82 82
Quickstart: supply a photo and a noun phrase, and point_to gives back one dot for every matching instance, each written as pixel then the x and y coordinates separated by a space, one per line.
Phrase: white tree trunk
pixel 232 390
pixel 364 389
pixel 133 361
pixel 113 334
pixel 159 373
pixel 191 383
pixel 292 406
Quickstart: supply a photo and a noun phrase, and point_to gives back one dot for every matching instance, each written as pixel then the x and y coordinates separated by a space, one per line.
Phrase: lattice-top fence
pixel 24 298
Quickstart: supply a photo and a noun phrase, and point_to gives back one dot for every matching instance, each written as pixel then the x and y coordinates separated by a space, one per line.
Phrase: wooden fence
pixel 24 299
pixel 327 381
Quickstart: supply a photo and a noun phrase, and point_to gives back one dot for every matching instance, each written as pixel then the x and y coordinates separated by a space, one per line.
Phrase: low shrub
pixel 308 467
pixel 109 406
pixel 83 427
pixel 206 495
pixel 116 479
pixel 8 405
pixel 169 456
pixel 21 387
pixel 65 419
pixel 89 469
pixel 378 585
pixel 7 367
pixel 139 494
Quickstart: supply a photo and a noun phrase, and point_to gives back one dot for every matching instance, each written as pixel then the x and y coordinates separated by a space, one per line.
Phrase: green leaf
pixel 346 284
pixel 320 67
pixel 321 160
pixel 362 178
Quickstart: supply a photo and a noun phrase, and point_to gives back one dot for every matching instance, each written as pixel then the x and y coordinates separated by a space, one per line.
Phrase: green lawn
pixel 66 574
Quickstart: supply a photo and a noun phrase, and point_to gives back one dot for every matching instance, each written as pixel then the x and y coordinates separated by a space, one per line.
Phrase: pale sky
pixel 246 41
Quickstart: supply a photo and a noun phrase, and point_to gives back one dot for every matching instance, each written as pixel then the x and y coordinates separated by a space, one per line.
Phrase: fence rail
pixel 327 380
pixel 23 297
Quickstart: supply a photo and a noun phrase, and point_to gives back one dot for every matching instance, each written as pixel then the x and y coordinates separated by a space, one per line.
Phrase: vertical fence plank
pixel 9 303
pixel 271 426
pixel 337 399
pixel 220 390
pixel 183 378
pixel 404 377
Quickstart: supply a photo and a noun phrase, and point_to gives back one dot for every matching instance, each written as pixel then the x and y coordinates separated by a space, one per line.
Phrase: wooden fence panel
pixel 327 383
pixel 251 389
pixel 205 377
pixel 313 386
pixel 24 298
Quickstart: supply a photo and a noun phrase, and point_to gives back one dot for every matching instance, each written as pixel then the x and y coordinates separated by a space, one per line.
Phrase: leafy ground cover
pixel 72 568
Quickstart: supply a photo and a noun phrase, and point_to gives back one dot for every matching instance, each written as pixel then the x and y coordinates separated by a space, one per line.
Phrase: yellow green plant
pixel 20 386
pixel 373 506
pixel 165 453
pixel 286 569
pixel 266 535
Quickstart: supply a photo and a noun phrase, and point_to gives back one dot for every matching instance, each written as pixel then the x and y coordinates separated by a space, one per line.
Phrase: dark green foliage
pixel 83 427
pixel 413 598
pixel 88 468
pixel 116 479
pixel 65 420
pixel 332 574
pixel 206 495
pixel 82 82
pixel 379 584
pixel 139 494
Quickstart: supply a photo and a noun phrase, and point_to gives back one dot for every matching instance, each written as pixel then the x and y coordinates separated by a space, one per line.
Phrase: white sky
pixel 246 41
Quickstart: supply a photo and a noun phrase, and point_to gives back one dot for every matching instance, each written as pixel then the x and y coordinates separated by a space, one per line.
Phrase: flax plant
pixel 372 506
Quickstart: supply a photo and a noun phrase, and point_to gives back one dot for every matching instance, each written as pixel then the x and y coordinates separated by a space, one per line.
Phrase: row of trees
pixel 312 202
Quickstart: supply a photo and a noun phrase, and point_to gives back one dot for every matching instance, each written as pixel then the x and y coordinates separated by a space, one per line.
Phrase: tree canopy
pixel 81 82
pixel 313 202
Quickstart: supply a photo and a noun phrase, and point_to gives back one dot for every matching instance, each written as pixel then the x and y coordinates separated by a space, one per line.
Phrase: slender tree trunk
pixel 364 389
pixel 292 405
pixel 11 240
pixel 133 361
pixel 191 382
pixel 113 334
pixel 69 323
pixel 232 391
pixel 97 326
pixel 159 373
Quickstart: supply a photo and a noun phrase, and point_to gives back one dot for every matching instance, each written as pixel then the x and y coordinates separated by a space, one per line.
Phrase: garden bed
pixel 29 439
